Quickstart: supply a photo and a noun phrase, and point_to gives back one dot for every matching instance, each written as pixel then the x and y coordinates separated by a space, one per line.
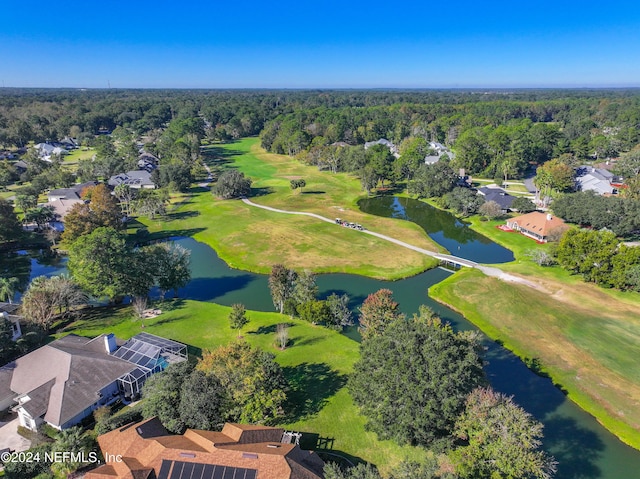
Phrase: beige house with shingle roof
pixel 240 451
pixel 65 381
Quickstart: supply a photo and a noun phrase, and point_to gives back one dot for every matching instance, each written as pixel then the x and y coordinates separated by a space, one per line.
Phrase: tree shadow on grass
pixel 311 385
pixel 134 223
pixel 181 215
pixel 306 341
pixel 166 234
pixel 271 329
pixel 262 191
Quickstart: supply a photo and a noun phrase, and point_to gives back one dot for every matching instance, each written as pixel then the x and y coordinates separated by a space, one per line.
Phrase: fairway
pixel 316 366
pixel 254 239
pixel 585 339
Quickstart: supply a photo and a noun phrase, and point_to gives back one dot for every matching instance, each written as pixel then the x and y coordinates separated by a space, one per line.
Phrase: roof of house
pixel 20 164
pixel 594 179
pixel 383 141
pixel 45 147
pixel 9 307
pixel 500 196
pixel 244 451
pixel 62 206
pixel 145 155
pixel 134 178
pixel 64 377
pixel 73 192
pixel 537 222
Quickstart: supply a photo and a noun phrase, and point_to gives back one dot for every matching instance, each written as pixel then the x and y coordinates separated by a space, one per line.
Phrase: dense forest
pixel 493 133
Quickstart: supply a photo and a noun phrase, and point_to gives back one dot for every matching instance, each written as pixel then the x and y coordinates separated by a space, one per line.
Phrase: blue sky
pixel 323 44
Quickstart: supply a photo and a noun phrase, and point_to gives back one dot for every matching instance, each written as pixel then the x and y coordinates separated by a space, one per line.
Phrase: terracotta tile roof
pixel 106 471
pixel 145 445
pixel 246 433
pixel 537 222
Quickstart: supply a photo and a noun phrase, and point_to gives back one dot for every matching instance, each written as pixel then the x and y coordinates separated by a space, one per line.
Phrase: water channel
pixel 583 448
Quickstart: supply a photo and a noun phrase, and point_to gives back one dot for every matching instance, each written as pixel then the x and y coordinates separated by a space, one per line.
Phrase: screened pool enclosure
pixel 151 354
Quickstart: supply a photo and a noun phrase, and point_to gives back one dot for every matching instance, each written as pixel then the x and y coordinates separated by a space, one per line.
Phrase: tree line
pixel 491 138
pixel 419 382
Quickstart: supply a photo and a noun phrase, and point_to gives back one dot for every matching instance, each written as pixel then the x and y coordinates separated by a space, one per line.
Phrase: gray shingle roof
pixel 77 368
pixel 73 192
pixel 504 199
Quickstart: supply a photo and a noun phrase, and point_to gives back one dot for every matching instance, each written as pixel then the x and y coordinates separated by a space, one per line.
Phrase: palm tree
pixel 8 288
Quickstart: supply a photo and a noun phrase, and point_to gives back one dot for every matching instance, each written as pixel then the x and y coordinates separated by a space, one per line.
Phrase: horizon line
pixel 310 88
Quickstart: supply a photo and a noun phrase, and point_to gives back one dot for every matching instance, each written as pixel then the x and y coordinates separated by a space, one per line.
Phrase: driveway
pixel 528 181
pixel 10 438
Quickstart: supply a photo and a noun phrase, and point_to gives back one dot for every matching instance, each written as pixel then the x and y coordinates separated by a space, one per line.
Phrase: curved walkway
pixel 488 270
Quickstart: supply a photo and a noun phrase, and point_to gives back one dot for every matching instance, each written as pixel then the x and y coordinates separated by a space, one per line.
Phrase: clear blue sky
pixel 323 44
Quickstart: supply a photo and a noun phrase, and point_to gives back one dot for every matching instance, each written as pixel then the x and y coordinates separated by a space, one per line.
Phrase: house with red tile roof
pixel 537 225
pixel 240 451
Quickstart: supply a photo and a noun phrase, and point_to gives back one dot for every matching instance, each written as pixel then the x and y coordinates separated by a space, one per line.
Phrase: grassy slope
pixel 76 155
pixel 586 337
pixel 253 239
pixel 316 365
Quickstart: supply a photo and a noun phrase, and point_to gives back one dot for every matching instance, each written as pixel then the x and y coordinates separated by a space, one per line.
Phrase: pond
pixel 28 264
pixel 584 449
pixel 444 228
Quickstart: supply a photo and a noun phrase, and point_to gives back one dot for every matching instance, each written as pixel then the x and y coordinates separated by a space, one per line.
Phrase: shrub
pixel 128 415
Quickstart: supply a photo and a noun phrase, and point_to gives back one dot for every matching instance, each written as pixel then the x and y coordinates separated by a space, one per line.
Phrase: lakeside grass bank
pixel 316 364
pixel 586 337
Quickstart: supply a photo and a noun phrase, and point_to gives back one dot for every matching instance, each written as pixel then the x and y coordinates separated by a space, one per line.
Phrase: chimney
pixel 549 217
pixel 110 343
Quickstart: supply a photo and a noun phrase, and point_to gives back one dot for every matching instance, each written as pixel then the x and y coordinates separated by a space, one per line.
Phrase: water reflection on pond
pixel 443 227
pixel 584 449
pixel 28 264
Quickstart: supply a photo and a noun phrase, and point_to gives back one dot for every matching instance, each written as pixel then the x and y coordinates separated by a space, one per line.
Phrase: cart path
pixel 488 270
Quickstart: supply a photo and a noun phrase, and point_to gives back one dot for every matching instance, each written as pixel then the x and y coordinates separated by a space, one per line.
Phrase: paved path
pixel 488 270
pixel 209 176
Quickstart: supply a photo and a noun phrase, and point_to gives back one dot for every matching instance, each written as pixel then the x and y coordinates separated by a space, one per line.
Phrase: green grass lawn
pixel 587 337
pixel 76 155
pixel 316 365
pixel 254 239
pixel 588 343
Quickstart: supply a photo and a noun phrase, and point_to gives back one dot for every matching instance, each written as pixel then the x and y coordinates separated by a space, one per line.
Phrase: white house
pixel 6 312
pixel 382 141
pixel 136 179
pixel 599 180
